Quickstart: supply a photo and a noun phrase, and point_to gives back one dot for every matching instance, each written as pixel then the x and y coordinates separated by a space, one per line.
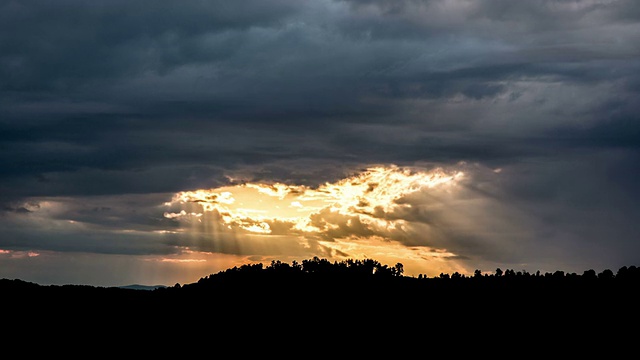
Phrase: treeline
pixel 367 289
pixel 363 289
pixel 317 299
pixel 362 280
pixel 370 267
pixel 318 271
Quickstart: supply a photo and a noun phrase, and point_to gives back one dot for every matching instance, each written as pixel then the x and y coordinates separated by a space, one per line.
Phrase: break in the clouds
pixel 110 108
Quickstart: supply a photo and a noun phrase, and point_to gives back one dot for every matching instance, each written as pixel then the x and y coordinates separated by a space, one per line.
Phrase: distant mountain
pixel 141 287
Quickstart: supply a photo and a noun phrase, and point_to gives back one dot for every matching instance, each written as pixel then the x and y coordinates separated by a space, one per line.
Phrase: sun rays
pixel 361 214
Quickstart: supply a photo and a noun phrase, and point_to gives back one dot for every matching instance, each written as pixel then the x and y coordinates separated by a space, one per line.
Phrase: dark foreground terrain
pixel 351 296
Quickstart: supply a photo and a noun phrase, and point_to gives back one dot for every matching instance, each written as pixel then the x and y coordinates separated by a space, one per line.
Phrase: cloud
pixel 380 204
pixel 110 100
pixel 199 85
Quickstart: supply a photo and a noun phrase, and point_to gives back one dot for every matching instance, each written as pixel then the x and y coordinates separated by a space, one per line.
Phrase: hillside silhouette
pixel 351 299
pixel 320 281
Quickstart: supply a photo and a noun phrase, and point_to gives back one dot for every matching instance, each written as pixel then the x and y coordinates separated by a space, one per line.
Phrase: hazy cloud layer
pixel 108 108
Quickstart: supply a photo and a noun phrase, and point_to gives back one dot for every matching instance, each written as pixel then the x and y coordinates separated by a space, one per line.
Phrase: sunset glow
pixel 449 135
pixel 355 216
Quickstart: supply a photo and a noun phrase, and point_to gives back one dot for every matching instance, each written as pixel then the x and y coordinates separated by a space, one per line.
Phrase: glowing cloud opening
pixel 362 197
pixel 367 214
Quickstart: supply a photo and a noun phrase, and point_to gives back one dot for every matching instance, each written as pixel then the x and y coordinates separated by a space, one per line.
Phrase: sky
pixel 160 142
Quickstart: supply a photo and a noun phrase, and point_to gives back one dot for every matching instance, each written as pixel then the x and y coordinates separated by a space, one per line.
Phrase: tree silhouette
pixel 321 284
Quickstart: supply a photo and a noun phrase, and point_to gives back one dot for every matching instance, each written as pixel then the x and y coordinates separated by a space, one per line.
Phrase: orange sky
pixel 360 216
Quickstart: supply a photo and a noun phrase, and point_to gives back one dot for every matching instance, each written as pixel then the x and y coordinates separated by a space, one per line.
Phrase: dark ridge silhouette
pixel 318 274
pixel 360 290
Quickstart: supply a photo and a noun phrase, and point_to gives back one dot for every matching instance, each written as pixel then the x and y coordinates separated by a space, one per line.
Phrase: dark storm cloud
pixel 70 45
pixel 105 98
pixel 105 86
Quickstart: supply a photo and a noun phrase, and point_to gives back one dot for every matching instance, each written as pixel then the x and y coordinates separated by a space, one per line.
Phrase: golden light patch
pixel 252 206
pixel 19 254
pixel 356 215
